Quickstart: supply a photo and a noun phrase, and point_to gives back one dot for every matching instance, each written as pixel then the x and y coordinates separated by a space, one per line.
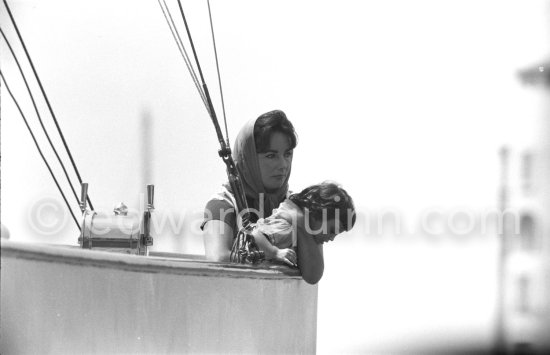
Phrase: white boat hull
pixel 68 300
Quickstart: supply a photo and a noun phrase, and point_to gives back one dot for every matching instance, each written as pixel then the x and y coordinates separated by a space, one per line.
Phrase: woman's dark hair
pixel 269 123
pixel 327 196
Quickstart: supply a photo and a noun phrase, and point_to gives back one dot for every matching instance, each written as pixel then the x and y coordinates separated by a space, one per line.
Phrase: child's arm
pixel 287 256
pixel 310 258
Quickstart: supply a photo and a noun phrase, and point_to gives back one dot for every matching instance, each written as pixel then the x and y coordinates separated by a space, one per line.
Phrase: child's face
pixel 328 231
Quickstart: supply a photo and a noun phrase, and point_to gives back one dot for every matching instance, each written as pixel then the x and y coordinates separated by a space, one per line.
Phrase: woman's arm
pixel 217 237
pixel 310 258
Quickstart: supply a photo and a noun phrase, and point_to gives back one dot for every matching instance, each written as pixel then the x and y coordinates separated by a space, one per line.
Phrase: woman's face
pixel 275 163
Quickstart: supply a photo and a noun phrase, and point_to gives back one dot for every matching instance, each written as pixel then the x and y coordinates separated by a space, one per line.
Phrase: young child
pixel 320 212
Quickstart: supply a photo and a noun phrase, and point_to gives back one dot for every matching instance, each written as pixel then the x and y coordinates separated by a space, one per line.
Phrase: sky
pixel 405 103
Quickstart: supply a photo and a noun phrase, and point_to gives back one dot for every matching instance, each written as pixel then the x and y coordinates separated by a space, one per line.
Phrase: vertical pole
pixel 83 196
pixel 146 176
pixel 146 148
pixel 502 244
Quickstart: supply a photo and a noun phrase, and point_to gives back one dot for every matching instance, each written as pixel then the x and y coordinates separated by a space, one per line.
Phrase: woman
pixel 263 156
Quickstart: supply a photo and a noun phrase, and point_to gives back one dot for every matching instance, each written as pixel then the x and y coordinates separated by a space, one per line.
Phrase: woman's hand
pixel 287 256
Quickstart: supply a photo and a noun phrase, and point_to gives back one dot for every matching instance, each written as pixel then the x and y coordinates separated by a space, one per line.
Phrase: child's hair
pixel 327 196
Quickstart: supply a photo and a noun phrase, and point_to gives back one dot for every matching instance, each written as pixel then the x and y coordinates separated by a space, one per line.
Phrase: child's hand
pixel 287 256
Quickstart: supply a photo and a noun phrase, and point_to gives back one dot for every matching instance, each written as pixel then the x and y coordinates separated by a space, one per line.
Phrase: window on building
pixel 523 291
pixel 528 232
pixel 527 172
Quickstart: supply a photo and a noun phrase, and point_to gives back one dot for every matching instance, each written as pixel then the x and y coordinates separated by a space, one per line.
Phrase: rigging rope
pixel 38 114
pixel 244 248
pixel 182 50
pixel 39 150
pixel 46 98
pixel 212 112
pixel 191 42
pixel 218 70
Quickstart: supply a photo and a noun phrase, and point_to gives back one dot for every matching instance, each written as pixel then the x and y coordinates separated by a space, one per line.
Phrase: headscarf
pixel 246 161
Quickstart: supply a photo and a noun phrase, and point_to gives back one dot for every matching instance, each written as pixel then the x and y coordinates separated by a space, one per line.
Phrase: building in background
pixel 524 308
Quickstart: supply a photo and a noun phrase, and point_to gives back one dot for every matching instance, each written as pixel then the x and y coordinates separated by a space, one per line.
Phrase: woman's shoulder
pixel 218 205
pixel 221 207
pixel 222 199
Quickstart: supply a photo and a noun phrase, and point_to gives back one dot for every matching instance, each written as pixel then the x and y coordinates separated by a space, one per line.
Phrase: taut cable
pixel 39 150
pixel 175 34
pixel 205 88
pixel 218 70
pixel 38 114
pixel 244 248
pixel 46 98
